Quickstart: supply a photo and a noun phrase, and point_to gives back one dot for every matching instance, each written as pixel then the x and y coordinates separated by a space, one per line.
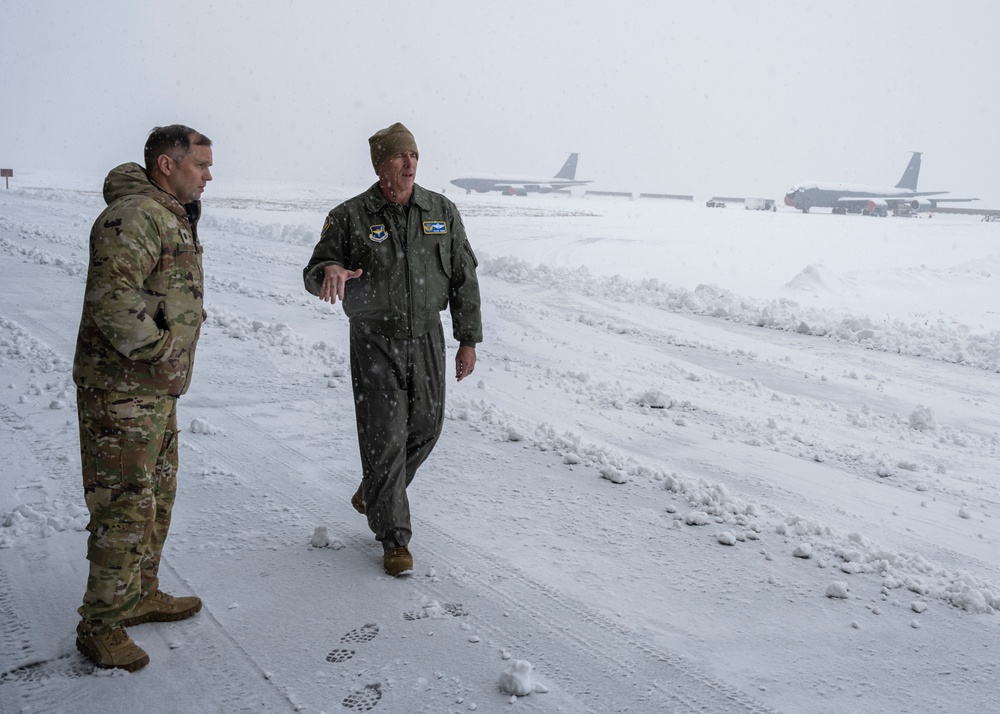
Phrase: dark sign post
pixel 7 174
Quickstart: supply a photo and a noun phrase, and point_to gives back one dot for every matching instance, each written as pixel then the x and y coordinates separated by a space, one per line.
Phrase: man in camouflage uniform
pixel 142 313
pixel 396 256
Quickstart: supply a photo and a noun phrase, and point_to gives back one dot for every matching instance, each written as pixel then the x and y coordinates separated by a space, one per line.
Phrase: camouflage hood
pixel 131 180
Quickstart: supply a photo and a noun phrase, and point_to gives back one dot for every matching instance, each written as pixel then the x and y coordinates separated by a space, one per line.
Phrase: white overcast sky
pixel 731 98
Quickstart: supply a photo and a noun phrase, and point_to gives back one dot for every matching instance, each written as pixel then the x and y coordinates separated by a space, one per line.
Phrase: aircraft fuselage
pixel 523 185
pixel 483 183
pixel 860 198
pixel 829 195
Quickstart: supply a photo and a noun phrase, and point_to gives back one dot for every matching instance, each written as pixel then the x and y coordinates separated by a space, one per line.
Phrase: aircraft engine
pixel 920 204
pixel 876 207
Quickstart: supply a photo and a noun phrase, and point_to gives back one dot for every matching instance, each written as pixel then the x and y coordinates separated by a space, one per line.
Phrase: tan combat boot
pixel 160 607
pixel 112 649
pixel 398 561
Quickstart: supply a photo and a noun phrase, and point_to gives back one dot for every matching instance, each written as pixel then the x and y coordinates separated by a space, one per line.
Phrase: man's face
pixel 187 178
pixel 399 172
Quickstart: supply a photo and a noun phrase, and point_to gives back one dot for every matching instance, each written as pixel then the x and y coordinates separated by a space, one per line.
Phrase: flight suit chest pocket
pixel 436 276
pixel 370 295
pixel 375 255
pixel 442 255
pixel 431 252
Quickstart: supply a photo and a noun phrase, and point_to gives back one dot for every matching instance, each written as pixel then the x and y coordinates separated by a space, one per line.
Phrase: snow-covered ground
pixel 710 461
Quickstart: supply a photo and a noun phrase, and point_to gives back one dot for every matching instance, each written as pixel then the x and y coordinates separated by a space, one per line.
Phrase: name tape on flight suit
pixel 435 227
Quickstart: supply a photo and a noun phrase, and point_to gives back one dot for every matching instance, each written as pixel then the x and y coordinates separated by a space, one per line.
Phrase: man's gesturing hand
pixel 334 279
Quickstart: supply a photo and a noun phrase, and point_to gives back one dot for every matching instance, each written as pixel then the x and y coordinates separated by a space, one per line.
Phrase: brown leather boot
pixel 398 561
pixel 160 607
pixel 112 649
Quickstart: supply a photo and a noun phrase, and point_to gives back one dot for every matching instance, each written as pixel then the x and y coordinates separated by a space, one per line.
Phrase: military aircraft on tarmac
pixel 520 185
pixel 871 200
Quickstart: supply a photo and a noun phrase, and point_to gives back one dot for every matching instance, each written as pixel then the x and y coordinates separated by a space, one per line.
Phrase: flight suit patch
pixel 378 233
pixel 435 227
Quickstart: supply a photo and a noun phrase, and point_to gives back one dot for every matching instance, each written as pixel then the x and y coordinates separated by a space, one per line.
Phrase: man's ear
pixel 164 164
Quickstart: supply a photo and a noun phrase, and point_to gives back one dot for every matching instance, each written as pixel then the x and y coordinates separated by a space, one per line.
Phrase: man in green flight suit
pixel 396 256
pixel 142 314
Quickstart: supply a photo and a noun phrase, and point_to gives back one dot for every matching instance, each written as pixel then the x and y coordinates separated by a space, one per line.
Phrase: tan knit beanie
pixel 390 141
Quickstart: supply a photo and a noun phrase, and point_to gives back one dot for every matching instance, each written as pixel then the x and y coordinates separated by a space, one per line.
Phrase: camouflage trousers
pixel 399 406
pixel 128 449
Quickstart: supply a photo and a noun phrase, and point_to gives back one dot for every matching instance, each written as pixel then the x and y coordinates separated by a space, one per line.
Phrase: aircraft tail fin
pixel 909 179
pixel 568 171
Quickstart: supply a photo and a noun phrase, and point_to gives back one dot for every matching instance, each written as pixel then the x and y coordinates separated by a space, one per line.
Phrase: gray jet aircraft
pixel 520 185
pixel 848 198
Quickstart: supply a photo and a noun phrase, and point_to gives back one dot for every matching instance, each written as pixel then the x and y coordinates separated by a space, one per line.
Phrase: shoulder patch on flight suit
pixel 326 224
pixel 435 227
pixel 378 233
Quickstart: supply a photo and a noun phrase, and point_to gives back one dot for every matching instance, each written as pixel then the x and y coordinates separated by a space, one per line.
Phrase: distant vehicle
pixel 715 204
pixel 870 200
pixel 520 185
pixel 760 204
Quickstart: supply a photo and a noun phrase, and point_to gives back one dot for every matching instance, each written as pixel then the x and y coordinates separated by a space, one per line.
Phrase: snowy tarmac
pixel 709 461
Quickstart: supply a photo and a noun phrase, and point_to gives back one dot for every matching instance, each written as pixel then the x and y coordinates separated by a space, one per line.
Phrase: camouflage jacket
pixel 415 260
pixel 142 309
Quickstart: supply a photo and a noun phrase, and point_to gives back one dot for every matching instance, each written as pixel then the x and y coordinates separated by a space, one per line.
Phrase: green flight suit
pixel 416 262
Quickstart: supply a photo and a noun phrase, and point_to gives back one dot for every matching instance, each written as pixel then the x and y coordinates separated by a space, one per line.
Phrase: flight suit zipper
pixel 409 283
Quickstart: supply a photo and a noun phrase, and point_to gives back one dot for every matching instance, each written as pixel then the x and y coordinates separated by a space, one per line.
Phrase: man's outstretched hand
pixel 334 279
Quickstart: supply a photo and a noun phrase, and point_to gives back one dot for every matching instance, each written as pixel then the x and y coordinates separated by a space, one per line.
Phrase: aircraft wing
pixel 916 201
pixel 890 200
pixel 522 188
pixel 858 203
